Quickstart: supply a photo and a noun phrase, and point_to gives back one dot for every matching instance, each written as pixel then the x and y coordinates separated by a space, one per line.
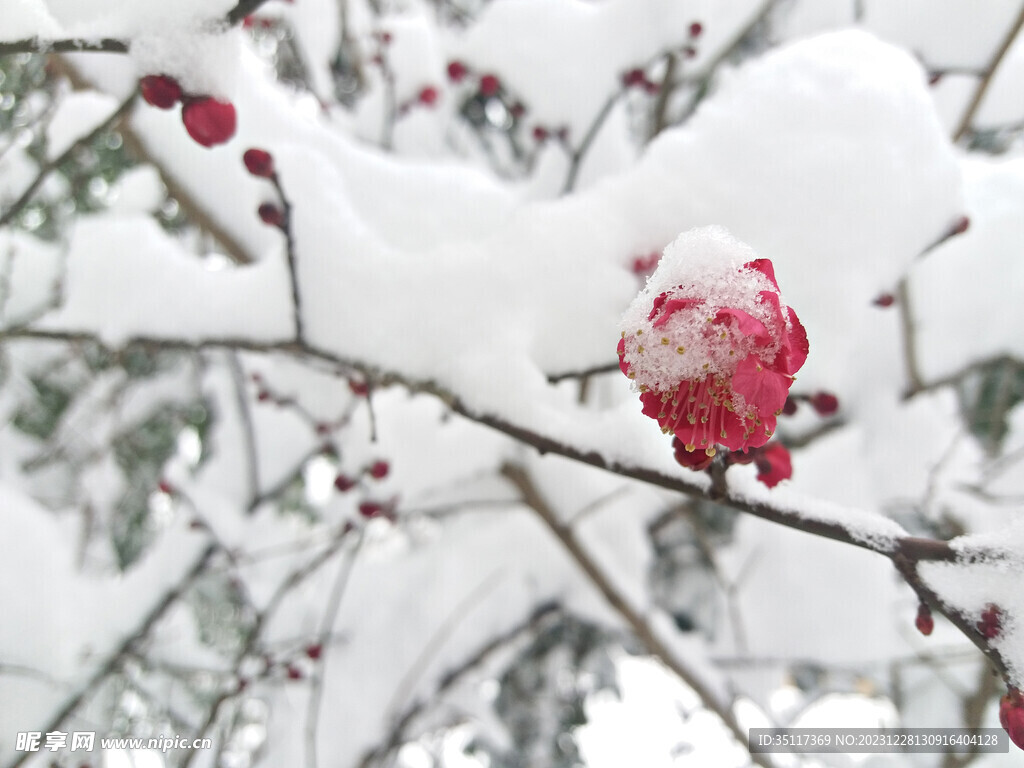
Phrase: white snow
pixel 826 154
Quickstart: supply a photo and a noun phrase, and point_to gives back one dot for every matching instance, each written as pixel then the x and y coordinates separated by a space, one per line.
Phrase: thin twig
pixel 908 568
pixel 406 686
pixel 106 44
pixel 452 676
pixel 584 373
pixel 908 332
pixel 252 464
pixel 974 707
pixel 196 212
pixel 255 634
pixel 316 687
pixel 659 121
pixel 282 485
pixel 52 165
pixel 990 71
pixel 286 227
pixel 125 648
pixel 36 45
pixel 620 604
pixel 576 156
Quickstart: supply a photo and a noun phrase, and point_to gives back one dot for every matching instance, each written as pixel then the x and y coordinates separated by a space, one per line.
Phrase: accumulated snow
pixel 606 40
pixel 451 591
pixel 654 722
pixel 126 277
pixel 791 607
pixel 76 115
pixel 87 19
pixel 995 581
pixel 841 135
pixel 872 529
pixel 825 155
pixel 204 63
pixel 960 321
pixel 34 269
pixel 139 190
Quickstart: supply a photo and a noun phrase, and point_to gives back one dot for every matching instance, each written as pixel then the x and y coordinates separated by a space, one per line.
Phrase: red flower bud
pixel 457 71
pixel 344 483
pixel 884 300
pixel 924 621
pixel 314 651
pixel 161 91
pixel 489 85
pixel 370 509
pixel 696 28
pixel 634 78
pixel 1011 716
pixel 427 96
pixel 774 465
pixel 259 162
pixel 825 403
pixel 209 121
pixel 270 214
pixel 991 623
pixel 379 470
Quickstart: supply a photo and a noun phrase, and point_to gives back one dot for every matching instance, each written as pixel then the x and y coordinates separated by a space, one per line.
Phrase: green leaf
pixel 40 416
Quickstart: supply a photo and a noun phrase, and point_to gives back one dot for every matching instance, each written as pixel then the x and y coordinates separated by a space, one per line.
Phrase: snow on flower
pixel 710 345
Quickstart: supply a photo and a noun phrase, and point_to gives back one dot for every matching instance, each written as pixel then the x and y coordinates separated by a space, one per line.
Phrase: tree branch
pixel 791 518
pixel 286 227
pixel 452 676
pixel 986 81
pixel 106 44
pixel 316 688
pixel 620 604
pixel 36 45
pixel 52 165
pixel 243 9
pixel 126 647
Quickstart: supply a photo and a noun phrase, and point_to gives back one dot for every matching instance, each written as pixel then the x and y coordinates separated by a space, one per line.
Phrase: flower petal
pixel 794 347
pixel 670 307
pixel 764 389
pixel 621 349
pixel 747 324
